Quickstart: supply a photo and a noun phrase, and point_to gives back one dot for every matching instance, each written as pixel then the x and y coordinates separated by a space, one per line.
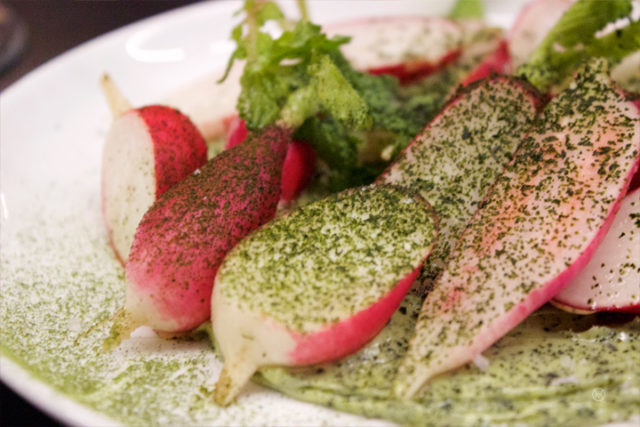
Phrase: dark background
pixel 54 26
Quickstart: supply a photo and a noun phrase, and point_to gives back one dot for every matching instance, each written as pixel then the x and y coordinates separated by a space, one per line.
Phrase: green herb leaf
pixel 467 9
pixel 573 40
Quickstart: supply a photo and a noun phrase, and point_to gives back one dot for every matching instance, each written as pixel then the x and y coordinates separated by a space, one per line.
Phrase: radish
pixel 184 236
pixel 318 283
pixel 536 229
pixel 454 161
pixel 299 164
pixel 611 280
pixel 635 181
pixel 406 47
pixel 147 150
pixel 531 26
pixel 498 62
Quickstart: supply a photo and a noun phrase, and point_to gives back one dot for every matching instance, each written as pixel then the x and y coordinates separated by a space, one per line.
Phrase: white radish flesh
pixel 185 235
pixel 147 150
pixel 611 280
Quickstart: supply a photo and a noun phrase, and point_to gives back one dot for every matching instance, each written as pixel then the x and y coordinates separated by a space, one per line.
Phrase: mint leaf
pixel 574 39
pixel 467 9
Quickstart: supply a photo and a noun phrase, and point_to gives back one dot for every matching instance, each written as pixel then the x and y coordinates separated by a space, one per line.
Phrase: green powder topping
pixel 331 258
pixel 460 154
pixel 553 369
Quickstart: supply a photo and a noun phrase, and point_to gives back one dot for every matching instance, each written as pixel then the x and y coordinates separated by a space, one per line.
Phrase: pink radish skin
pixel 615 267
pixel 350 335
pixel 147 150
pixel 299 164
pixel 531 26
pixel 178 147
pixel 515 255
pixel 275 311
pixel 185 235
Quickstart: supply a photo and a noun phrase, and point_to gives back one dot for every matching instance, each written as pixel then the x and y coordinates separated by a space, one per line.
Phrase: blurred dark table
pixel 53 27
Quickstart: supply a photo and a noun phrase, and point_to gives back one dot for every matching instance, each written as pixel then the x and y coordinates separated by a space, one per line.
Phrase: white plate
pixel 56 264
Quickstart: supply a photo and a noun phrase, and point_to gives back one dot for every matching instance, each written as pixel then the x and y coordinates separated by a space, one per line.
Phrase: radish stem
pixel 118 104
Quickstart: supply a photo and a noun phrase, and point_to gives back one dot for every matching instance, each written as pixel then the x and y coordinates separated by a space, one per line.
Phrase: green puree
pixel 553 369
pixel 58 277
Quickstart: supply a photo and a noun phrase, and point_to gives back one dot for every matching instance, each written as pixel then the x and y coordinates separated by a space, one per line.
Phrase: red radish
pixel 499 62
pixel 611 280
pixel 184 236
pixel 406 47
pixel 410 71
pixel 147 150
pixel 299 167
pixel 318 283
pixel 299 164
pixel 237 132
pixel 532 25
pixel 453 162
pixel 537 228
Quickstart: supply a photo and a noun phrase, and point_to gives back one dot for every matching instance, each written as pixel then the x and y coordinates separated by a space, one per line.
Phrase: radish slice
pixel 611 280
pixel 147 150
pixel 319 283
pixel 453 162
pixel 407 47
pixel 184 236
pixel 499 62
pixel 299 164
pixel 535 231
pixel 532 25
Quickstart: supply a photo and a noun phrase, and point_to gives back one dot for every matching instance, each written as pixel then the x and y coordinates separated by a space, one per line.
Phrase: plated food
pixel 358 125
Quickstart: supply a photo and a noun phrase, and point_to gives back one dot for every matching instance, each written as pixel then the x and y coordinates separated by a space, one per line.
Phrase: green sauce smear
pixel 59 278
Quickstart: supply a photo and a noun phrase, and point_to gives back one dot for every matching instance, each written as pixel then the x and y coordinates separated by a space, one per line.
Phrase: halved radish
pixel 498 62
pixel 147 150
pixel 537 228
pixel 184 236
pixel 319 283
pixel 532 25
pixel 611 280
pixel 406 47
pixel 299 164
pixel 453 162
